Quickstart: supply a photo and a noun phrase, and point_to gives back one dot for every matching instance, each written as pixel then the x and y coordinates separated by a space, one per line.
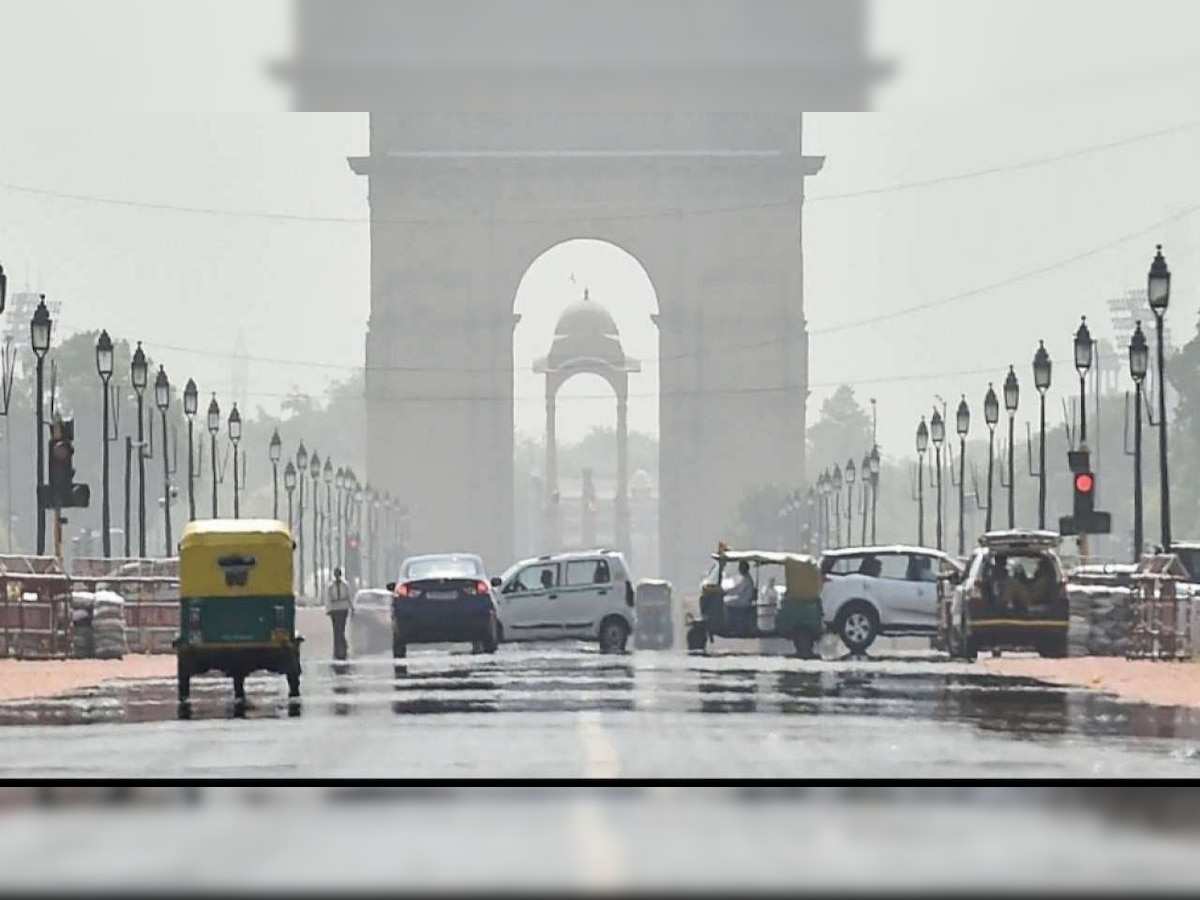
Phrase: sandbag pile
pixel 108 626
pixel 1101 620
pixel 82 606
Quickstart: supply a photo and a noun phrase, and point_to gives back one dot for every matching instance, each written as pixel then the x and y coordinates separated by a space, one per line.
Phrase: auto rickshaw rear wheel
pixel 697 635
pixel 804 642
pixel 239 687
pixel 183 678
pixel 399 648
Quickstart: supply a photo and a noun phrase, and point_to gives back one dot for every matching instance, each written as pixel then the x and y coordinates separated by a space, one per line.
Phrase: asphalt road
pixel 568 711
pixel 549 711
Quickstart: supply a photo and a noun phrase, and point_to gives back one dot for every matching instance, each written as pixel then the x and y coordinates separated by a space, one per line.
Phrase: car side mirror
pixel 496 582
pixel 391 586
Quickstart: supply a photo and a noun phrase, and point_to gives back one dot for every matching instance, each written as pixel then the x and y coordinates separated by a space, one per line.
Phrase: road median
pixel 24 679
pixel 1147 681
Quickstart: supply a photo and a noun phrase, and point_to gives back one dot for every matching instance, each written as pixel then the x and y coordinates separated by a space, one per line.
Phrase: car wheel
pixel 970 649
pixel 1053 648
pixel 858 626
pixel 614 634
pixel 491 637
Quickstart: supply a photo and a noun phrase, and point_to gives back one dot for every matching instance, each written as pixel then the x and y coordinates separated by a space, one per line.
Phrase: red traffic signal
pixel 1085 482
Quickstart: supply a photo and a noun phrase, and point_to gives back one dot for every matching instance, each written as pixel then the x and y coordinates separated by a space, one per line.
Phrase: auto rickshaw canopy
pixel 802 572
pixel 236 558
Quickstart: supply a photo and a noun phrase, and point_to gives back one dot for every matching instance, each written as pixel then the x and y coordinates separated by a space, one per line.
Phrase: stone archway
pixel 587 341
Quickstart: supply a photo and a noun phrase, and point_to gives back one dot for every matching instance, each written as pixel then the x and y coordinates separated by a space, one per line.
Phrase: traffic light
pixel 1085 496
pixel 61 491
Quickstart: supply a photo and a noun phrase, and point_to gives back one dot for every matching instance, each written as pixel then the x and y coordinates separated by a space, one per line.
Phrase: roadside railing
pixel 1163 610
pixel 35 608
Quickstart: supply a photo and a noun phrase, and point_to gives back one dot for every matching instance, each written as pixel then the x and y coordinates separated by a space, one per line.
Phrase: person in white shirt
pixel 741 599
pixel 338 607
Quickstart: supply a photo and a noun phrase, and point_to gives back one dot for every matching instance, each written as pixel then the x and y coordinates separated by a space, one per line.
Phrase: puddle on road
pixel 558 682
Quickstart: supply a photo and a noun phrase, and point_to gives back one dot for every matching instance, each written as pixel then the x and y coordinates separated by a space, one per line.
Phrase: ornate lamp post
pixel 191 405
pixel 937 433
pixel 850 475
pixel 962 422
pixel 314 462
pixel 868 484
pixel 235 437
pixel 162 399
pixel 1041 381
pixel 1139 365
pixel 138 376
pixel 922 446
pixel 1083 362
pixel 275 451
pixel 104 366
pixel 289 485
pixel 339 484
pixel 823 513
pixel 327 472
pixel 214 428
pixel 39 333
pixel 1012 396
pixel 836 483
pixel 874 492
pixel 991 417
pixel 1158 292
pixel 302 470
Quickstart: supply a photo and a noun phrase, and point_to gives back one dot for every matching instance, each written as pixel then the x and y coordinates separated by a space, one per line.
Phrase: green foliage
pixel 842 433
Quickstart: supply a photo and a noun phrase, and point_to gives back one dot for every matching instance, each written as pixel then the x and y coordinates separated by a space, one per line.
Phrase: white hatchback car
pixel 568 596
pixel 871 591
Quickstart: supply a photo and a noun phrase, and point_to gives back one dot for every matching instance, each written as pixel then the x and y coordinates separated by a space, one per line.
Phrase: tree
pixel 758 525
pixel 842 433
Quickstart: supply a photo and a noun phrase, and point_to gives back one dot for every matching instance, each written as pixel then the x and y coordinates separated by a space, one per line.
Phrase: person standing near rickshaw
pixel 338 608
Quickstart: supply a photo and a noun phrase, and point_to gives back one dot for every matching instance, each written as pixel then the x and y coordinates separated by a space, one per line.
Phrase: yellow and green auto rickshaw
pixel 788 602
pixel 237 606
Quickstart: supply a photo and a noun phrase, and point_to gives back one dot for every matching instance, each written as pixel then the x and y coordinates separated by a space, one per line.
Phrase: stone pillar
pixel 622 504
pixel 552 536
pixel 588 511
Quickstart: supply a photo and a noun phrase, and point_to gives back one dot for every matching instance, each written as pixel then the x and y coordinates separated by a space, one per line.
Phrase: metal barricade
pixel 150 589
pixel 1162 607
pixel 35 608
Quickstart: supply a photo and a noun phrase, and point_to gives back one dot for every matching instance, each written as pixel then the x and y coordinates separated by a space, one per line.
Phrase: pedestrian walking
pixel 338 607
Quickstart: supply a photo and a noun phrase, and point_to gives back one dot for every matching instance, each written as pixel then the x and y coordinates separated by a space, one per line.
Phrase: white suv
pixel 871 591
pixel 568 596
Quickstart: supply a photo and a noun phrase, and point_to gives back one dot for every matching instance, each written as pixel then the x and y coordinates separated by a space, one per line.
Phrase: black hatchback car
pixel 443 598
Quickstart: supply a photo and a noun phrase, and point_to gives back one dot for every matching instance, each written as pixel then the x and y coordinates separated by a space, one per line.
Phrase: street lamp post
pixel 1041 380
pixel 1158 292
pixel 104 366
pixel 868 483
pixel 836 483
pixel 874 493
pixel 1012 395
pixel 850 476
pixel 235 436
pixel 138 376
pixel 314 462
pixel 162 399
pixel 289 485
pixel 962 421
pixel 339 484
pixel 39 333
pixel 191 405
pixel 214 428
pixel 327 472
pixel 302 470
pixel 1083 362
pixel 937 433
pixel 1139 364
pixel 275 451
pixel 991 416
pixel 922 446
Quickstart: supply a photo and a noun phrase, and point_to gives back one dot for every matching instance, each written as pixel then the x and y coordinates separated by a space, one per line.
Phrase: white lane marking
pixel 601 754
pixel 602 865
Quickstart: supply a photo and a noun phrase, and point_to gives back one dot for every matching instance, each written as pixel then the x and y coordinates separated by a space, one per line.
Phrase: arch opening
pixel 586 397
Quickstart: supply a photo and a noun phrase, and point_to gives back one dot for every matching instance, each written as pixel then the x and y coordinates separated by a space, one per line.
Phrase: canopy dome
pixel 587 333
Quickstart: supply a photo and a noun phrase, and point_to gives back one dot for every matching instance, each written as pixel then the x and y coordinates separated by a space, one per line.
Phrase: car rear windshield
pixel 443 567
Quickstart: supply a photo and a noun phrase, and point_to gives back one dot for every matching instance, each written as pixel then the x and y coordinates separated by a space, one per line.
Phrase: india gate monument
pixel 501 129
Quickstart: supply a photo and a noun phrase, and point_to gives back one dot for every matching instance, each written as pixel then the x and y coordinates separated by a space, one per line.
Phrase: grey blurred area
pixel 295 838
pixel 578 57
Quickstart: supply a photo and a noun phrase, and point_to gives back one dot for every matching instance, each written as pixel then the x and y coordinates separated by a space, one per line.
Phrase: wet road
pixel 567 711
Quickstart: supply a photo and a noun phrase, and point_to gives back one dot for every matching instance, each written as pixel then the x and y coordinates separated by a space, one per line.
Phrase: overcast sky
pixel 983 84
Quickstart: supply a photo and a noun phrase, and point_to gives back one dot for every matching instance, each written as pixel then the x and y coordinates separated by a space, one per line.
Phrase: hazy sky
pixel 164 103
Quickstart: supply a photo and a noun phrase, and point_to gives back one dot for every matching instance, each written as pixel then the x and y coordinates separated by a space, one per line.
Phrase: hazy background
pixel 165 104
